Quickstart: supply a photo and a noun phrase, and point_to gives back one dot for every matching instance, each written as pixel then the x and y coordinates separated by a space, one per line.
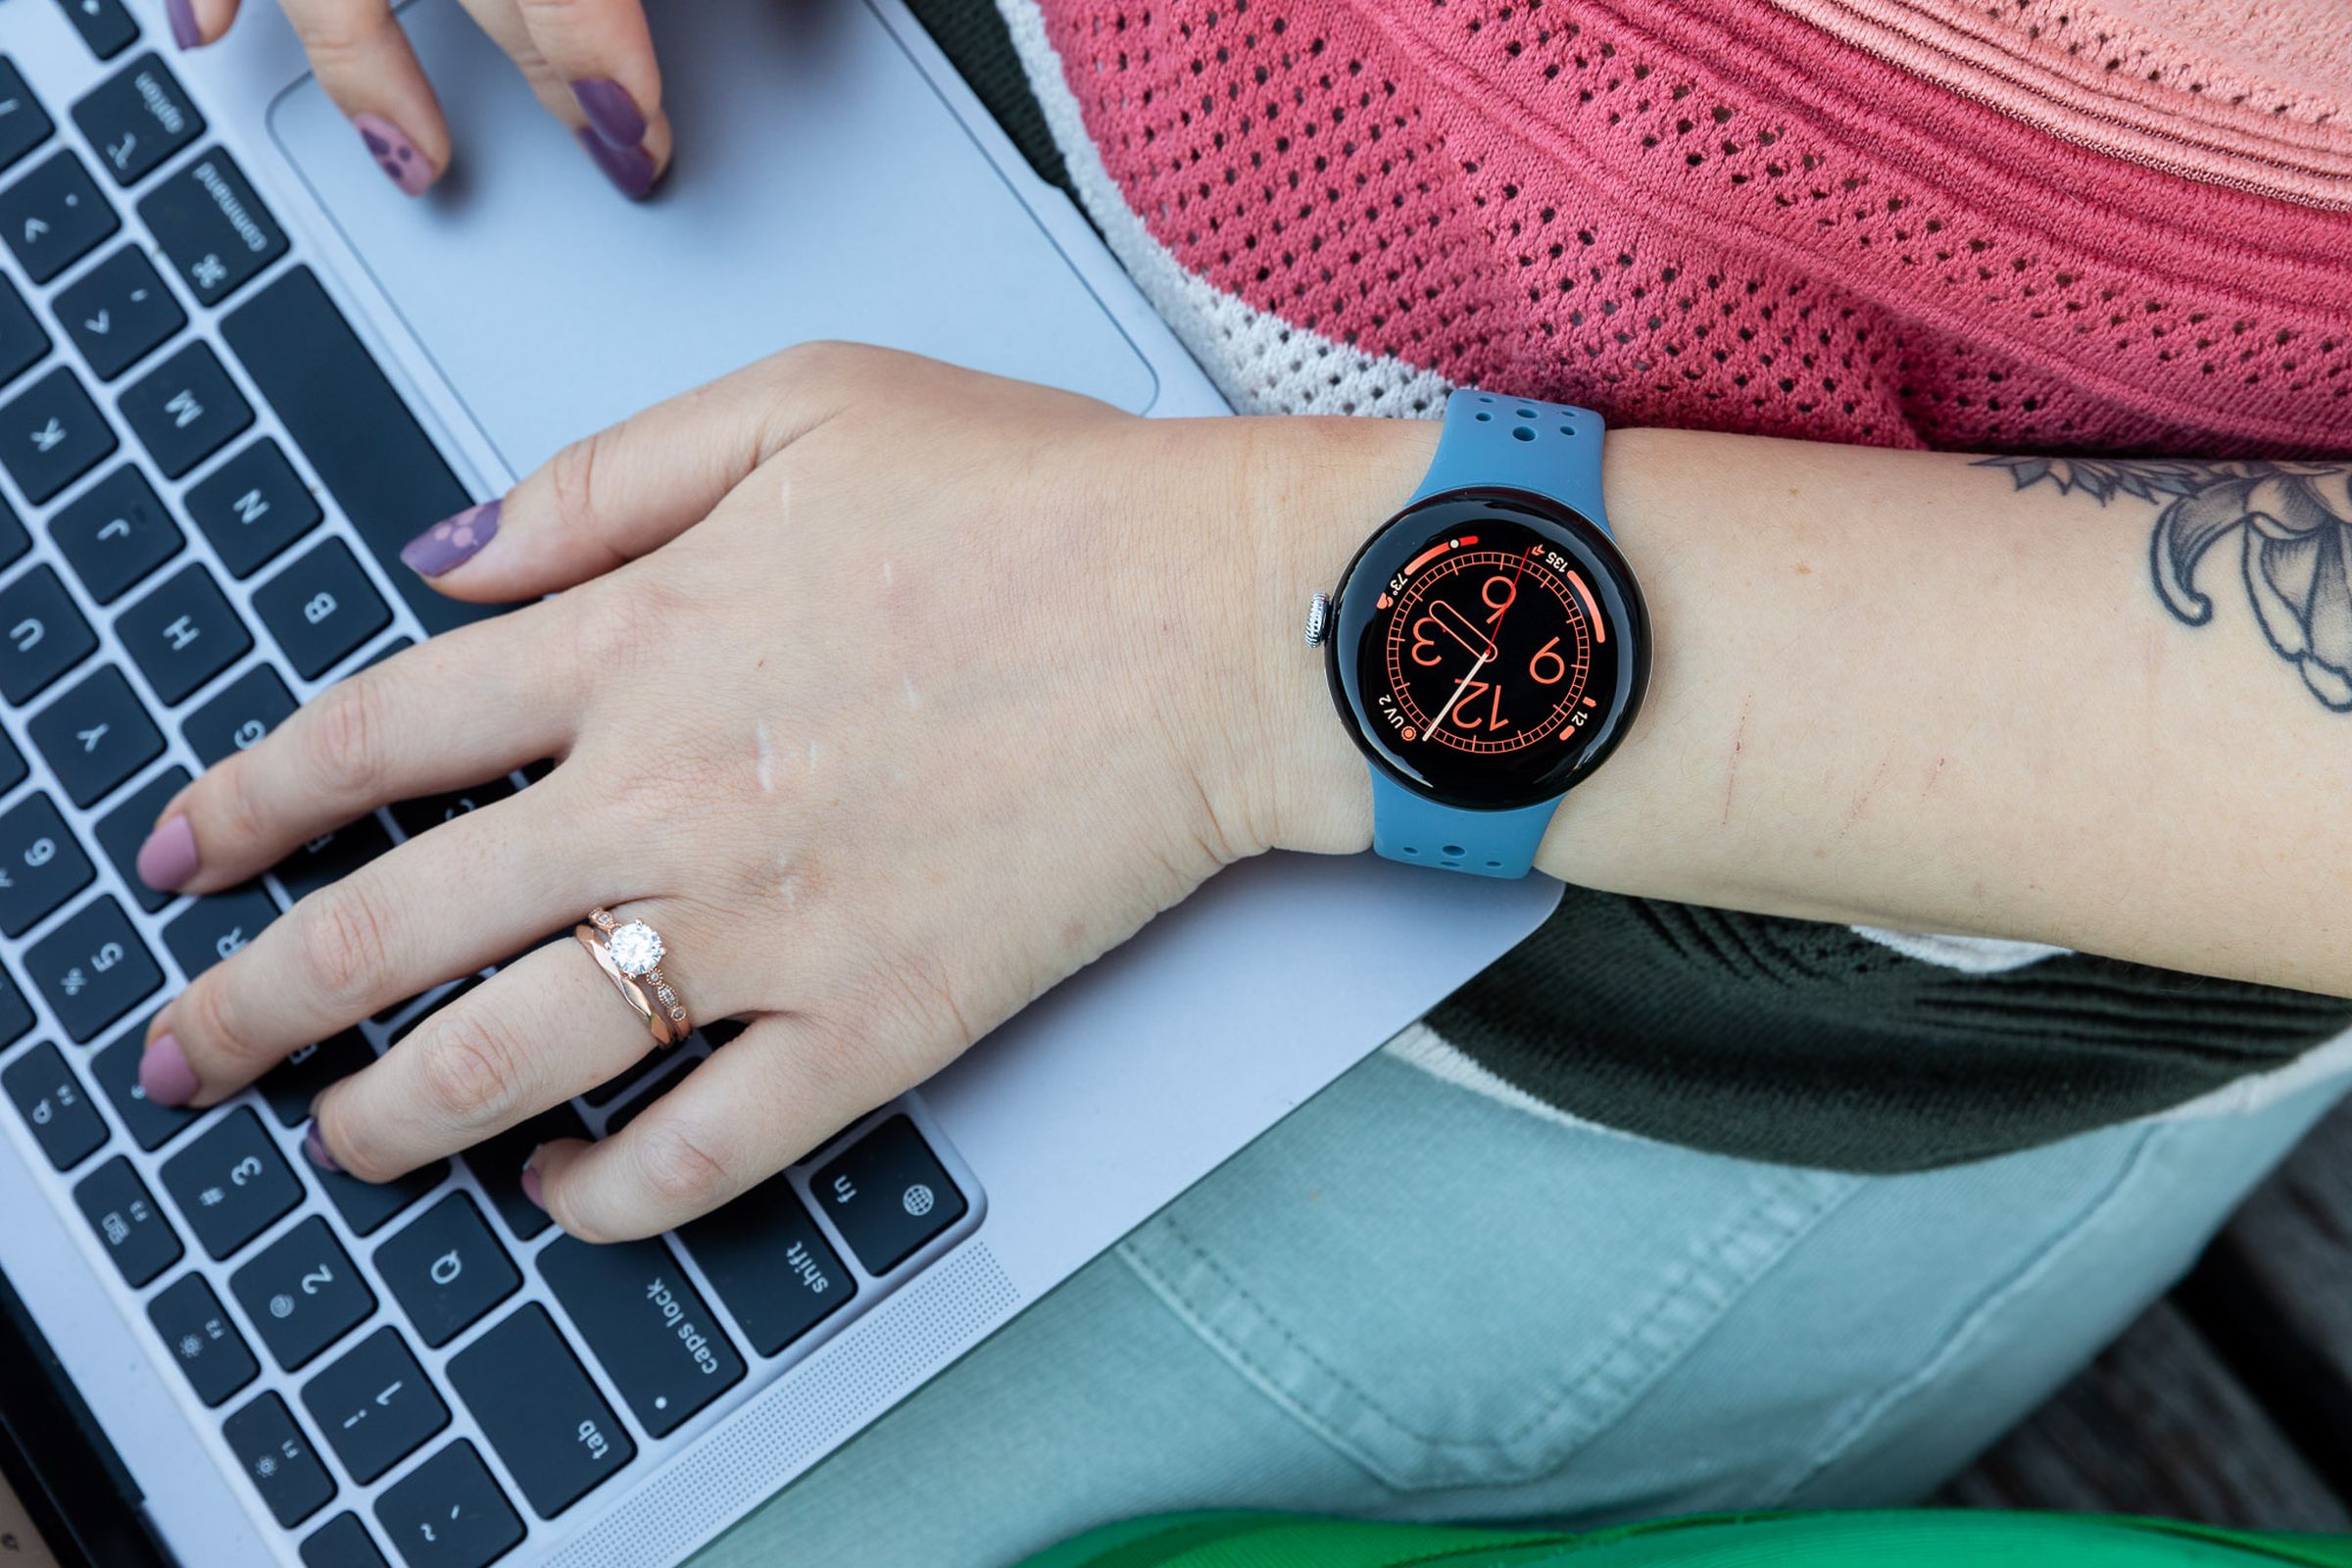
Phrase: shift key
pixel 646 1325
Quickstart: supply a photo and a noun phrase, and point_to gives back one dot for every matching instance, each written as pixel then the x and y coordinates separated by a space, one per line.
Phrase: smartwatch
pixel 1488 647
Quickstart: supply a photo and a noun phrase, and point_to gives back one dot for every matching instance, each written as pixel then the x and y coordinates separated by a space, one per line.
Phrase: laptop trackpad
pixel 821 189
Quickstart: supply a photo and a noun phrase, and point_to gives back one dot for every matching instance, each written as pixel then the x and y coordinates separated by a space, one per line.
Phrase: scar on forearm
pixel 2293 523
pixel 1731 780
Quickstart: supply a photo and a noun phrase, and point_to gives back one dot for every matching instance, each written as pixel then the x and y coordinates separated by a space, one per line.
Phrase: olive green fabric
pixel 1903 1540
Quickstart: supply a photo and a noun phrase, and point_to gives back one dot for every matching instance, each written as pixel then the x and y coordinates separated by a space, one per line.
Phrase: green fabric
pixel 1912 1540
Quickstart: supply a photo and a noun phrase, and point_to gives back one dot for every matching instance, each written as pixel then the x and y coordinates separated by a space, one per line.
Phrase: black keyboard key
pixel 42 865
pixel 114 533
pixel 628 1078
pixel 215 231
pixel 138 118
pixel 342 1543
pixel 96 736
pixel 118 312
pixel 365 1206
pixel 331 857
pixel 24 124
pixel 497 1163
pixel 375 1405
pixel 52 434
pixel 16 1014
pixel 888 1195
pixel 278 1460
pixel 302 1294
pixel 185 410
pixel 13 770
pixel 41 634
pixel 654 1090
pixel 237 716
pixel 538 1410
pixel 232 1183
pixel 320 609
pixel 447 1269
pixel 291 1085
pixel 361 439
pixel 55 215
pixel 183 633
pixel 203 1341
pixel 771 1267
pixel 21 340
pixel 218 925
pixel 645 1324
pixel 421 816
pixel 252 506
pixel 104 26
pixel 94 969
pixel 14 540
pixel 449 1513
pixel 55 1105
pixel 123 829
pixel 116 1070
pixel 132 1229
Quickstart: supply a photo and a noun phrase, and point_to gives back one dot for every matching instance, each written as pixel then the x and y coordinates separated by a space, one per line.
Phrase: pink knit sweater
pixel 1977 223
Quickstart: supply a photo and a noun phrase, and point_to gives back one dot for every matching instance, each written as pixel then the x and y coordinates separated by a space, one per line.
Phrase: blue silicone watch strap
pixel 1490 441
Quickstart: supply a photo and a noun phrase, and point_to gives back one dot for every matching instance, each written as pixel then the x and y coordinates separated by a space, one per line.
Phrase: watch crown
pixel 1318 620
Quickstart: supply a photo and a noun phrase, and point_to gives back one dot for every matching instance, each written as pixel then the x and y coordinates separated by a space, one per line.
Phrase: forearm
pixel 1898 688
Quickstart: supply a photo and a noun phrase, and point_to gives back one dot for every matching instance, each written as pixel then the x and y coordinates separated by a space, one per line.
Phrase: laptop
pixel 237 370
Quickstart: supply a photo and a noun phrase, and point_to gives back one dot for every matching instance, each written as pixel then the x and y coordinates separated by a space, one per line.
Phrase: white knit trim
pixel 1420 1046
pixel 1969 954
pixel 1260 363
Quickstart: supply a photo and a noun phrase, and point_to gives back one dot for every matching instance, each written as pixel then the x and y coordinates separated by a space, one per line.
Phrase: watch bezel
pixel 1392 545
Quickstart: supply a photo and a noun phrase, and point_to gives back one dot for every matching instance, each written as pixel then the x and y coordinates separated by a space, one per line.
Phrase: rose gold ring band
pixel 630 954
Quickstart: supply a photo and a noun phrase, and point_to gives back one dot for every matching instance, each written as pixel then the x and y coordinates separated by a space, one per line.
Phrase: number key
pixel 123 829
pixel 306 1073
pixel 183 633
pixel 449 1513
pixel 42 865
pixel 278 1460
pixel 302 1294
pixel 54 1105
pixel 96 736
pixel 375 1405
pixel 189 1318
pixel 134 1232
pixel 231 1184
pixel 114 533
pixel 93 968
pixel 44 635
pixel 116 1070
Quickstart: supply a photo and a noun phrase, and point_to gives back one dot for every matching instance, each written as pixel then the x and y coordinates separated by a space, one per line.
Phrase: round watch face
pixel 1491 647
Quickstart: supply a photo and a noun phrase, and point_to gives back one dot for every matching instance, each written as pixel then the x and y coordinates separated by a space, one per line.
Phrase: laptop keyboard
pixel 423 1365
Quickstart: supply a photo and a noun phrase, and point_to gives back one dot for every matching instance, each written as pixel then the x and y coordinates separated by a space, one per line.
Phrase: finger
pixel 470 893
pixel 544 1029
pixel 450 713
pixel 634 486
pixel 196 22
pixel 594 73
pixel 757 1104
pixel 365 64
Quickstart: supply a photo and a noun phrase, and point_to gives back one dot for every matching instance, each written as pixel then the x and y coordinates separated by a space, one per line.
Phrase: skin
pixel 886 736
pixel 365 64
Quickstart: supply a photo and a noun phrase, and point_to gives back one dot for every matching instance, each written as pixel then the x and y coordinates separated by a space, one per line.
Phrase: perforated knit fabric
pixel 1919 222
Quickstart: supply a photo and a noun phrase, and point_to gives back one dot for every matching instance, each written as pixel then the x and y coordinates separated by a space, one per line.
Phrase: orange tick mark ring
pixel 630 954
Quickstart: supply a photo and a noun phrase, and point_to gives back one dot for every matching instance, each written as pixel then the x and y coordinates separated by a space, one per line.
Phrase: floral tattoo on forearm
pixel 2294 523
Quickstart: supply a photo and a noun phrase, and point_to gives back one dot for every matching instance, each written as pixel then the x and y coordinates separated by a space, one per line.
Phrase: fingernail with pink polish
pixel 530 1181
pixel 453 541
pixel 165 1076
pixel 168 856
pixel 394 154
pixel 183 17
pixel 314 1149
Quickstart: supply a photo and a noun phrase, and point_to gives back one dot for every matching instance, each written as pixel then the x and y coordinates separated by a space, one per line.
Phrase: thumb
pixel 632 487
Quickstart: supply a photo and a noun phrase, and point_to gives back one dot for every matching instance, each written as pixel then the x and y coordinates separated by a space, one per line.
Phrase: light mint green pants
pixel 1413 1302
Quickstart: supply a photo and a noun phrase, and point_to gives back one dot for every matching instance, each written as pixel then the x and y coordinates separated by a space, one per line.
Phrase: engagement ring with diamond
pixel 630 952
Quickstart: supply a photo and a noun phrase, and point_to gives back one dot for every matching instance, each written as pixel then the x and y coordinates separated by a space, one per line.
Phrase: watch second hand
pixel 1457 695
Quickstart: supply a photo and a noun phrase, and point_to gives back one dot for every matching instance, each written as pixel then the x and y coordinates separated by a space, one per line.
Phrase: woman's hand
pixel 890 695
pixel 591 62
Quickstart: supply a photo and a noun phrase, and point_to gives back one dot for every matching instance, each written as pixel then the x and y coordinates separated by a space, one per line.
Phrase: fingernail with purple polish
pixel 530 1181
pixel 611 113
pixel 168 856
pixel 394 154
pixel 629 168
pixel 165 1076
pixel 183 17
pixel 314 1149
pixel 453 541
